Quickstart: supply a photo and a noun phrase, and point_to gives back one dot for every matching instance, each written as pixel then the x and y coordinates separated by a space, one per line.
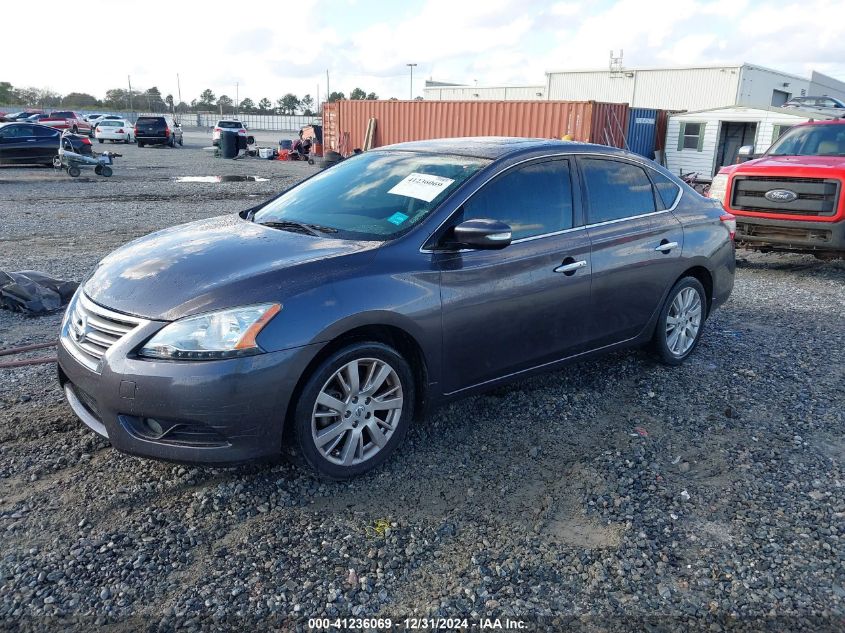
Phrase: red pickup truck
pixel 790 198
pixel 67 120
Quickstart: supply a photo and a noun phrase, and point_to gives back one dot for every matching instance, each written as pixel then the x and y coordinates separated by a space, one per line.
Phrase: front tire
pixel 354 410
pixel 681 322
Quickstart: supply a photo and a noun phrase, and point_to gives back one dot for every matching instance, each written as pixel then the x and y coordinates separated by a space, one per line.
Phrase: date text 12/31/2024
pixel 415 624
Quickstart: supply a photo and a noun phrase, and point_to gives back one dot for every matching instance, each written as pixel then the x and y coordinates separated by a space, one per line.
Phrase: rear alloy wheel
pixel 681 321
pixel 354 410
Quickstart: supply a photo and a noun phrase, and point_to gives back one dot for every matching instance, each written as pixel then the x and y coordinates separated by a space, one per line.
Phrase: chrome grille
pixel 92 330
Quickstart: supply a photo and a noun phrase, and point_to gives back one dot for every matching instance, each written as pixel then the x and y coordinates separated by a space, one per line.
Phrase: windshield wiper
pixel 299 227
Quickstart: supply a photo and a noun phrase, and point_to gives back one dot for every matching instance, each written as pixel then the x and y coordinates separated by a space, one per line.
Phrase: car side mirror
pixel 746 151
pixel 483 234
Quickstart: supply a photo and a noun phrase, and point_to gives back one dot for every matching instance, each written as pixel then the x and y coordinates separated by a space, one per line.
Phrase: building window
pixel 691 136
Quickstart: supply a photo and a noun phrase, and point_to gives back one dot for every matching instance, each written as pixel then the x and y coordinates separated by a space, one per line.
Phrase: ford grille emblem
pixel 781 195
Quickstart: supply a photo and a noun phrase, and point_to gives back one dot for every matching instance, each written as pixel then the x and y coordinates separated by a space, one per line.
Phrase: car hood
pixel 213 264
pixel 793 165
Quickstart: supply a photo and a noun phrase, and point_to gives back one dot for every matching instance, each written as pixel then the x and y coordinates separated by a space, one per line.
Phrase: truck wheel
pixel 354 410
pixel 681 322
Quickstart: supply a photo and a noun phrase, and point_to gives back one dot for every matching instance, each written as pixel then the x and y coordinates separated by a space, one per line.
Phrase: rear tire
pixel 362 432
pixel 140 144
pixel 681 322
pixel 106 171
pixel 101 140
pixel 73 172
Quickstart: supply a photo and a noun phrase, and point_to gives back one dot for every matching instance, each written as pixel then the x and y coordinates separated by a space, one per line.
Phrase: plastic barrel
pixel 228 144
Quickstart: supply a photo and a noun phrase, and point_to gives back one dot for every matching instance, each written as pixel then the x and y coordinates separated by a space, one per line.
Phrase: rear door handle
pixel 665 247
pixel 570 267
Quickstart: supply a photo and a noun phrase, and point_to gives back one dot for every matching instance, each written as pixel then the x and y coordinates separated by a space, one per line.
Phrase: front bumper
pixel 196 412
pixel 790 234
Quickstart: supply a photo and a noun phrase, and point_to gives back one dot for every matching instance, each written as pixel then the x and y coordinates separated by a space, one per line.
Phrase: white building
pixel 689 88
pixel 706 140
pixel 488 93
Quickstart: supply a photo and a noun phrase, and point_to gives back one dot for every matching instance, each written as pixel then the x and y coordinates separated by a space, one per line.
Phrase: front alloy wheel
pixel 354 410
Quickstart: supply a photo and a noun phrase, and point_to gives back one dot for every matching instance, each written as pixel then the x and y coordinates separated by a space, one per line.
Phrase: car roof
pixel 823 122
pixel 34 125
pixel 495 147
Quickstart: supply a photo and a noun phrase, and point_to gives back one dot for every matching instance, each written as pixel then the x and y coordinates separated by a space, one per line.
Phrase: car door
pixel 13 143
pixel 635 245
pixel 46 145
pixel 504 311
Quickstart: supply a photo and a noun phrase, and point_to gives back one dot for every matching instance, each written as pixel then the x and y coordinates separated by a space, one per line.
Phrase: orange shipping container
pixel 399 121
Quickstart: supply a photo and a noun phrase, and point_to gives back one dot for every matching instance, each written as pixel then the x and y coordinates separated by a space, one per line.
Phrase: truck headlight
pixel 719 187
pixel 223 334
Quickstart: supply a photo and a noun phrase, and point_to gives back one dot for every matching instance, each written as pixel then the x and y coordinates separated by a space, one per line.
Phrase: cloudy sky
pixel 270 47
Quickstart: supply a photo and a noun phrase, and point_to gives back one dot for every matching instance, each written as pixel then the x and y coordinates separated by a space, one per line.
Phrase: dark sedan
pixel 331 315
pixel 28 143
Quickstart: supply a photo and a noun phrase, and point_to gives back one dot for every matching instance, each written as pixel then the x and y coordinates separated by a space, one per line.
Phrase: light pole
pixel 411 66
pixel 237 87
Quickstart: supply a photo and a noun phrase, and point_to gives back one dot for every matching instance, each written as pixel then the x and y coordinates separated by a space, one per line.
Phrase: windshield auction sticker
pixel 421 186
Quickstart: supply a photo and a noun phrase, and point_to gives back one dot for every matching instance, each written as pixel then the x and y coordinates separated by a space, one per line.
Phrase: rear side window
pixel 616 190
pixel 667 191
pixel 46 132
pixel 533 199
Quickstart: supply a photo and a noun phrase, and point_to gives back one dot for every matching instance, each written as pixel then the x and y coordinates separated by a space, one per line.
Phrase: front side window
pixel 616 190
pixel 376 195
pixel 691 136
pixel 533 199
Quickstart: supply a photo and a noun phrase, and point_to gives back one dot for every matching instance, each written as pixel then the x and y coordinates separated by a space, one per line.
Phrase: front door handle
pixel 665 246
pixel 570 266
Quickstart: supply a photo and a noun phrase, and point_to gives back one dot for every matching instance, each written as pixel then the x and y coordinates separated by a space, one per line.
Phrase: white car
pixel 114 130
pixel 227 124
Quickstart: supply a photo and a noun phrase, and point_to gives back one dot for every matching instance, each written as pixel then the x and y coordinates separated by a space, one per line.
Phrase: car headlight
pixel 224 334
pixel 719 187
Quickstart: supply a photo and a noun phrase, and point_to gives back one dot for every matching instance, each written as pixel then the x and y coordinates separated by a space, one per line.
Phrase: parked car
pixel 114 130
pixel 158 130
pixel 397 279
pixel 790 198
pixel 36 118
pixel 825 104
pixel 20 116
pixel 93 118
pixel 67 120
pixel 26 143
pixel 226 124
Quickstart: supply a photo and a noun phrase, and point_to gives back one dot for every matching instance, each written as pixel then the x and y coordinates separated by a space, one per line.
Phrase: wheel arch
pixel 388 334
pixel 703 275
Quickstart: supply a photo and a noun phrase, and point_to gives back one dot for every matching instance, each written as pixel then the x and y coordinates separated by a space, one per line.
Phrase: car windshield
pixel 229 124
pixel 109 123
pixel 811 140
pixel 376 195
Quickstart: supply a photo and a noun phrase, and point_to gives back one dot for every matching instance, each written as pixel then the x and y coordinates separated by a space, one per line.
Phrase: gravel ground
pixel 613 495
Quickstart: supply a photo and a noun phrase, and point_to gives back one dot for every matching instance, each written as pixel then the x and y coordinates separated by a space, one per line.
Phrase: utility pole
pixel 129 80
pixel 179 87
pixel 317 105
pixel 237 86
pixel 411 66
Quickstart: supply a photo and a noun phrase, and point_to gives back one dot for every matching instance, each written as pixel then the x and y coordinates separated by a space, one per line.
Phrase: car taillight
pixel 167 131
pixel 86 141
pixel 730 222
pixel 241 131
pixel 217 129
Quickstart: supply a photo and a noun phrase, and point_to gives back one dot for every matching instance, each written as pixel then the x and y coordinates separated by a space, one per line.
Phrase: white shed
pixel 707 140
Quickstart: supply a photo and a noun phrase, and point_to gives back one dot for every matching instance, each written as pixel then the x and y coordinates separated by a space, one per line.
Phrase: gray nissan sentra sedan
pixel 333 314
